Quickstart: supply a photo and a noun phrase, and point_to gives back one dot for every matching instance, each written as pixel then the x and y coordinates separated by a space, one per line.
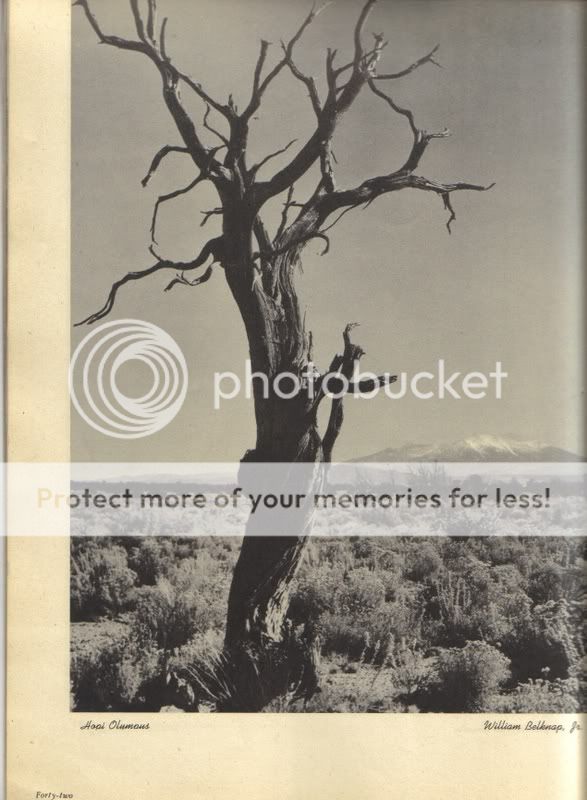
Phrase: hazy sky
pixel 506 286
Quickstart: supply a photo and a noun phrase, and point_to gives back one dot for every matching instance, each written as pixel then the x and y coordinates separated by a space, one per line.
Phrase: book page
pixel 431 646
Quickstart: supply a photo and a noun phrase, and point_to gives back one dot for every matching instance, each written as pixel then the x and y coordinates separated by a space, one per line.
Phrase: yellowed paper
pixel 260 756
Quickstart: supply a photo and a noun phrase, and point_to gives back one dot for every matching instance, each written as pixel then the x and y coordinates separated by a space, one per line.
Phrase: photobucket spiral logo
pixel 97 367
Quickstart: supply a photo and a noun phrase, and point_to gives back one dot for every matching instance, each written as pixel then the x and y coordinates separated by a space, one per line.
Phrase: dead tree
pixel 260 269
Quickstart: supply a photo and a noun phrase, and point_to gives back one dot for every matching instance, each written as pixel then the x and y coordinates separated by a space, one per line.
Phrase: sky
pixel 505 286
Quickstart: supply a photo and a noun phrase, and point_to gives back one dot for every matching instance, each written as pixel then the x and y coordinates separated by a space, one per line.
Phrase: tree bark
pixel 267 658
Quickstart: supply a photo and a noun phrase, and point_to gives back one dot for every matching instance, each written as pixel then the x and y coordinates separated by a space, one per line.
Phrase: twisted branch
pixel 148 46
pixel 159 156
pixel 277 251
pixel 256 167
pixel 162 40
pixel 171 196
pixel 180 278
pixel 373 188
pixel 212 248
pixel 427 59
pixel 317 146
pixel 152 20
pixel 211 213
pixel 359 54
pixel 344 365
pixel 421 137
pixel 260 85
pixel 208 127
pixel 307 80
pixel 115 41
pixel 259 69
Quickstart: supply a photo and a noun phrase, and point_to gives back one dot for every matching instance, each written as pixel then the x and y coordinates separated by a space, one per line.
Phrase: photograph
pixel 327 358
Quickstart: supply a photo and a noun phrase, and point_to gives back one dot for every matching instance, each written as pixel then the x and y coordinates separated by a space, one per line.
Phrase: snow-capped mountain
pixel 484 447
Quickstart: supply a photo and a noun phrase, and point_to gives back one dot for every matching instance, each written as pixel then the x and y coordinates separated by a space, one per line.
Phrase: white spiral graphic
pixel 93 378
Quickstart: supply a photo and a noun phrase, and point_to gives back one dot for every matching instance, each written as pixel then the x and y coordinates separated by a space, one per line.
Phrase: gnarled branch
pixel 259 69
pixel 307 80
pixel 209 127
pixel 152 19
pixel 334 385
pixel 213 212
pixel 170 77
pixel 159 156
pixel 343 366
pixel 180 278
pixel 358 35
pixel 212 248
pixel 427 59
pixel 196 86
pixel 260 85
pixel 422 138
pixel 204 175
pixel 380 45
pixel 115 41
pixel 162 40
pixel 171 196
pixel 277 251
pixel 256 167
pixel 139 24
pixel 373 188
pixel 317 145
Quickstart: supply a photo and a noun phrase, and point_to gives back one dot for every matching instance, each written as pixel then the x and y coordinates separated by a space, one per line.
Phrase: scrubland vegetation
pixel 400 624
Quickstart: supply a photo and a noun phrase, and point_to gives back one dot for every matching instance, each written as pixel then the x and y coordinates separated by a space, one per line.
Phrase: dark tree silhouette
pixel 262 655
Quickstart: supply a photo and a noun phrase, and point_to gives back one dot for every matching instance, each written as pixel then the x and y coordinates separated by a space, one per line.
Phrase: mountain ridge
pixel 483 447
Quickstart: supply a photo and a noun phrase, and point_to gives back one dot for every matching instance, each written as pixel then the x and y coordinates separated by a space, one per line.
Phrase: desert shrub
pixel 332 552
pixel 544 637
pixel 101 582
pixel 189 653
pixel 391 561
pixel 541 696
pixel 314 593
pixel 200 665
pixel 505 613
pixel 423 561
pixel 361 592
pixel 410 669
pixel 162 617
pixel 118 676
pixel 364 637
pixel 450 611
pixel 405 613
pixel 473 601
pixel 353 611
pixel 508 550
pixel 151 558
pixel 393 584
pixel 363 548
pixel 463 679
pixel 546 583
pixel 508 578
pixel 347 610
pixel 363 690
pixel 191 599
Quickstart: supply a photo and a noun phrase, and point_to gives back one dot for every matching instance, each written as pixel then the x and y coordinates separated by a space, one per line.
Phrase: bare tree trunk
pixel 269 658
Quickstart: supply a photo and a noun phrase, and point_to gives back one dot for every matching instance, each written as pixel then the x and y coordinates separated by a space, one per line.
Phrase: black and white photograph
pixel 327 358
